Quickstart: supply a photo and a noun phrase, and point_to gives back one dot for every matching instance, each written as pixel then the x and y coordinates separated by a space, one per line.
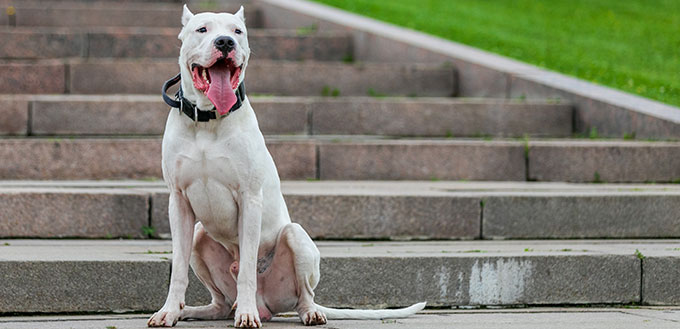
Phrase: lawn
pixel 632 45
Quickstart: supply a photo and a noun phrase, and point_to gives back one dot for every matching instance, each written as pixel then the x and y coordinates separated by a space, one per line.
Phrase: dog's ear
pixel 240 14
pixel 186 15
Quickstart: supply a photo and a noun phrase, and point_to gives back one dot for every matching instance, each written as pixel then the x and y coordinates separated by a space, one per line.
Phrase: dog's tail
pixel 344 314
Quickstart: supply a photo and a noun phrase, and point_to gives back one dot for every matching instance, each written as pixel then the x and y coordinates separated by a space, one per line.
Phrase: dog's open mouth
pixel 218 82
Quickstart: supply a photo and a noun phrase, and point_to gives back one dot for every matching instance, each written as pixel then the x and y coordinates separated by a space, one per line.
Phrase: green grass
pixel 632 45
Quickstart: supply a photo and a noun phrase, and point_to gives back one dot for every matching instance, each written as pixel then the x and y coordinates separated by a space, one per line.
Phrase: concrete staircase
pixel 368 150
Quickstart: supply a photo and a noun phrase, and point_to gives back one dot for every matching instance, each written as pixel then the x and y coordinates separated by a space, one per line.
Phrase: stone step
pixel 123 276
pixel 361 210
pixel 363 158
pixel 56 115
pixel 123 13
pixel 106 3
pixel 122 158
pixel 146 76
pixel 97 42
pixel 540 160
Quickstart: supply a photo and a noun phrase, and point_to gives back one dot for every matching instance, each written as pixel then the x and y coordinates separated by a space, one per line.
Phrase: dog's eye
pixel 202 30
pixel 237 31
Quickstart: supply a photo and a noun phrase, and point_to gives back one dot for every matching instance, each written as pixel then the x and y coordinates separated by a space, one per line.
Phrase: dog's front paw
pixel 247 317
pixel 313 318
pixel 164 318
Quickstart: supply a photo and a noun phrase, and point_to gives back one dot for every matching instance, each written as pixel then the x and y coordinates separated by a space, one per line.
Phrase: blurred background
pixel 629 45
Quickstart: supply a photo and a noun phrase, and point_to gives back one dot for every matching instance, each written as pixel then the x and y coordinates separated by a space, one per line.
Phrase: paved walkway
pixel 582 318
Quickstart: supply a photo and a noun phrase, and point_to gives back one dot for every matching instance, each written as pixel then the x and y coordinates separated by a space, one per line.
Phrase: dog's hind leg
pixel 293 275
pixel 215 278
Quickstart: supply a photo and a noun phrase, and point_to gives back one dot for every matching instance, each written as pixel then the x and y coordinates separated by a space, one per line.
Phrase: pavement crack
pixel 646 316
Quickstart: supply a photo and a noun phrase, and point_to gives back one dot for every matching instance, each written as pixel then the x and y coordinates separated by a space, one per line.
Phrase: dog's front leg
pixel 182 230
pixel 249 225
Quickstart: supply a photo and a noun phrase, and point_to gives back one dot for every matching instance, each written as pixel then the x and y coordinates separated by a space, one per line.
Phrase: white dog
pixel 225 195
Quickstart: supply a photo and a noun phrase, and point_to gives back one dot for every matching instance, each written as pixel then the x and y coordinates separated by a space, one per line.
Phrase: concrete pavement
pixel 529 318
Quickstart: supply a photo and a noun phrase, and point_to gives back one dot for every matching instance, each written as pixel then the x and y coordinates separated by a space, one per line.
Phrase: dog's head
pixel 214 54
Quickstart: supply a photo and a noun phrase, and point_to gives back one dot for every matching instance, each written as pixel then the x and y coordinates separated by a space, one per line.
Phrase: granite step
pixel 107 3
pixel 361 210
pixel 122 158
pixel 364 158
pixel 309 78
pixel 154 42
pixel 57 115
pixel 132 276
pixel 124 13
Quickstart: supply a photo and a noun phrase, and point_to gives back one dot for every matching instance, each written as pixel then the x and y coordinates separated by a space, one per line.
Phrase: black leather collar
pixel 190 109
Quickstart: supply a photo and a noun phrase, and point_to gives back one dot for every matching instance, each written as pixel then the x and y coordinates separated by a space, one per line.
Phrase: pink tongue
pixel 220 92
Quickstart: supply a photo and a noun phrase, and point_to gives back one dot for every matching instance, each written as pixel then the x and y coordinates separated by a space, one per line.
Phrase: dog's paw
pixel 247 318
pixel 313 318
pixel 164 318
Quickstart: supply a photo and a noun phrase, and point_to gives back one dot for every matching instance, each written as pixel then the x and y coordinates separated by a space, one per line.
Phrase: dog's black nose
pixel 224 44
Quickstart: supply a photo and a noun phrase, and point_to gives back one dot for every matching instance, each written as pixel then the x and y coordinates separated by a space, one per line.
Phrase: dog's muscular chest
pixel 208 170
